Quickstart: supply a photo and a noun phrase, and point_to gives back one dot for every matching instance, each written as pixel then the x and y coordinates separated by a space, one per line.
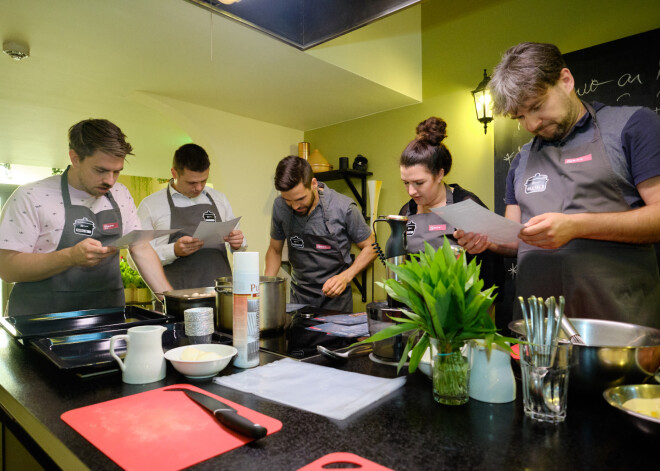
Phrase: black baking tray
pixel 88 354
pixel 75 322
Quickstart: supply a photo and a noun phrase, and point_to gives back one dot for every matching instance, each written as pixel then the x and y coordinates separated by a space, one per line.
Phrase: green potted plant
pixel 135 289
pixel 447 309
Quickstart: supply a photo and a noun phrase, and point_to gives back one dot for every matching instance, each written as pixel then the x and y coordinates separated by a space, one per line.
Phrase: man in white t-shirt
pixel 184 204
pixel 55 231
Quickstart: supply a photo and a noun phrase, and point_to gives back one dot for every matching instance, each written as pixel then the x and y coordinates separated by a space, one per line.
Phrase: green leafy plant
pixel 129 276
pixel 446 301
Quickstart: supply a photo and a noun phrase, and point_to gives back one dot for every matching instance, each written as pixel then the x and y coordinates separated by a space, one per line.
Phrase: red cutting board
pixel 333 459
pixel 160 430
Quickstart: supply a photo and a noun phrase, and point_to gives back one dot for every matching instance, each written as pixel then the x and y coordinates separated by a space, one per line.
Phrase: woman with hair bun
pixel 424 164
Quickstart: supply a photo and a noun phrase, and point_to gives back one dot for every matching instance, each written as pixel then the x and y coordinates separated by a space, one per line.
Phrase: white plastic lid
pixel 246 263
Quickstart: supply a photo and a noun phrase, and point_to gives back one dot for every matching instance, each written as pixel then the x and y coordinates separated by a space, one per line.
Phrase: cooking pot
pixel 616 353
pixel 272 303
pixel 378 318
pixel 178 300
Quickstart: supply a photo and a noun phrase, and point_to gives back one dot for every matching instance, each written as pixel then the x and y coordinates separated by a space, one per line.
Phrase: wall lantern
pixel 482 102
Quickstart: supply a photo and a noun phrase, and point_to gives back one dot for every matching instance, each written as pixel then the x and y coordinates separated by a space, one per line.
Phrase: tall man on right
pixel 586 188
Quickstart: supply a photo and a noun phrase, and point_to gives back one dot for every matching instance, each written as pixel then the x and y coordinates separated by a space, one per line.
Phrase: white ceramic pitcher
pixel 491 376
pixel 144 361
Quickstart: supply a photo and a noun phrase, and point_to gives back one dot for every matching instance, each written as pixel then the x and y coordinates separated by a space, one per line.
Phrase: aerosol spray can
pixel 246 309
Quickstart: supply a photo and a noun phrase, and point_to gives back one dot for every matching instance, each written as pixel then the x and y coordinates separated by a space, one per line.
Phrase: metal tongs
pixel 540 334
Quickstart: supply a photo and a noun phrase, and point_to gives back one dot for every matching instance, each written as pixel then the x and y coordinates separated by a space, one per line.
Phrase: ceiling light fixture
pixel 15 50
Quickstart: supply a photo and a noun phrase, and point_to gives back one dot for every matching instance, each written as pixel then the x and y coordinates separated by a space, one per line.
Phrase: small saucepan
pixel 178 300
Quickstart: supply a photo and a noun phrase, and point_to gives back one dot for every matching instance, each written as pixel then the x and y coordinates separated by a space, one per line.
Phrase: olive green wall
pixel 455 50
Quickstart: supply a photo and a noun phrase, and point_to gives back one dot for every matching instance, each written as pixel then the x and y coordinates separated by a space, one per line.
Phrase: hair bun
pixel 433 130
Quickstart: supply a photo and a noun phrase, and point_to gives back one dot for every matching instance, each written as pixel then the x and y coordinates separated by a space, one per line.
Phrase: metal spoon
pixel 358 350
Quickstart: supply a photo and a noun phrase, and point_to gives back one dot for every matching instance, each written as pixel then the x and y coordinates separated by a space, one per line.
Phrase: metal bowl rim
pixel 651 330
pixel 609 392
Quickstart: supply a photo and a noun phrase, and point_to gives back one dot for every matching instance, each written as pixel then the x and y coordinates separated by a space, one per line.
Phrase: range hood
pixel 305 23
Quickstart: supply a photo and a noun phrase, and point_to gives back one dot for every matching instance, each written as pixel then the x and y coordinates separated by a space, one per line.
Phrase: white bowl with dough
pixel 201 361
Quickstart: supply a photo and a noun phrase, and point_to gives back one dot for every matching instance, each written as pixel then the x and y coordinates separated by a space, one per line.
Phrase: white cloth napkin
pixel 319 389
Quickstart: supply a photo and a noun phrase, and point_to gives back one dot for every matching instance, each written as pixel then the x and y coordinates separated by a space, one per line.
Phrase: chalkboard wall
pixel 622 72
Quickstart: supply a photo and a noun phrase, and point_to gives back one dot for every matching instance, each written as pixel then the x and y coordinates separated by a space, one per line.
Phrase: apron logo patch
pixel 84 227
pixel 323 247
pixel 208 216
pixel 576 160
pixel 437 227
pixel 111 225
pixel 410 228
pixel 536 184
pixel 296 242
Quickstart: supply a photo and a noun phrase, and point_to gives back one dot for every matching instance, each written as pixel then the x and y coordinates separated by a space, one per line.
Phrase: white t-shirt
pixel 33 217
pixel 154 213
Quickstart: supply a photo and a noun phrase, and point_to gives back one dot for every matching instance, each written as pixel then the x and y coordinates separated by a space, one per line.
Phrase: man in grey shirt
pixel 319 226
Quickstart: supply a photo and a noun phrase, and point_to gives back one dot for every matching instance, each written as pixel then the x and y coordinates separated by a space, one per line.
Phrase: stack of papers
pixel 343 325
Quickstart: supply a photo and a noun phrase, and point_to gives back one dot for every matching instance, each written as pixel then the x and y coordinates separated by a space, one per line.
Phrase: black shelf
pixel 361 196
pixel 347 175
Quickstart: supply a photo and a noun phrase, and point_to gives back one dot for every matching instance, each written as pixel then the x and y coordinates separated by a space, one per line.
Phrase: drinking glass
pixel 545 371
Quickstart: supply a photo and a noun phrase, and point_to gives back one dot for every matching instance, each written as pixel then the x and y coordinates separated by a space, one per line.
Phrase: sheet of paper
pixel 140 236
pixel 471 217
pixel 213 233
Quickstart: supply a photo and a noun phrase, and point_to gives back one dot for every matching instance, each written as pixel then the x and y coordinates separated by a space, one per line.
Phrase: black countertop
pixel 406 430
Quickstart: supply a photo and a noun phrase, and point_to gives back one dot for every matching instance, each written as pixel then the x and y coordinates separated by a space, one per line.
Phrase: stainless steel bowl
pixel 618 395
pixel 616 353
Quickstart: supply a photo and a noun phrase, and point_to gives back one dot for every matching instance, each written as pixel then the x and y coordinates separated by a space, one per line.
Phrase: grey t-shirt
pixel 345 221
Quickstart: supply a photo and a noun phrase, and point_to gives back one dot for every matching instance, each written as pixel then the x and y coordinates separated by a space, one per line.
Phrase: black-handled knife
pixel 225 414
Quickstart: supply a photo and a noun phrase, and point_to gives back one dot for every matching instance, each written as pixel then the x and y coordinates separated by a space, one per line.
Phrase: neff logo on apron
pixel 410 228
pixel 208 216
pixel 83 226
pixel 437 227
pixel 536 184
pixel 296 242
pixel 323 247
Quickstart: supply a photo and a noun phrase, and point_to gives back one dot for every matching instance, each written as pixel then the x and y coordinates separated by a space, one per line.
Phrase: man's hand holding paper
pixel 214 234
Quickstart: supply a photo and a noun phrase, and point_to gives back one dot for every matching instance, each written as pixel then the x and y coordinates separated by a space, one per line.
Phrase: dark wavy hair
pixel 427 148
pixel 291 171
pixel 191 157
pixel 90 135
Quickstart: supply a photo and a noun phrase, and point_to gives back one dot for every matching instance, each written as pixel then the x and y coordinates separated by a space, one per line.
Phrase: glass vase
pixel 451 373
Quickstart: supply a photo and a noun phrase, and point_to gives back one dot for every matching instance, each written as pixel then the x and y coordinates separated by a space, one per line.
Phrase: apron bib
pixel 428 227
pixel 78 287
pixel 200 269
pixel 314 259
pixel 599 279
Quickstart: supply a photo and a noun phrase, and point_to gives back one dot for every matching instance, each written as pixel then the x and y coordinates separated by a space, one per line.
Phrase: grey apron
pixel 428 227
pixel 78 287
pixel 314 259
pixel 200 269
pixel 599 279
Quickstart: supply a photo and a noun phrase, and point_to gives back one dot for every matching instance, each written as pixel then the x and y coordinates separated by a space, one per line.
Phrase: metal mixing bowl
pixel 616 353
pixel 618 395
